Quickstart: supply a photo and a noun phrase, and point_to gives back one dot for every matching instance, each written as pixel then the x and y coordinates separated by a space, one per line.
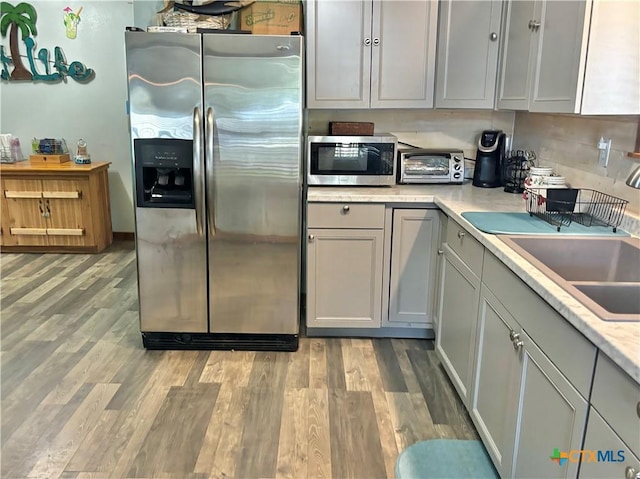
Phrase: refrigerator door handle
pixel 197 171
pixel 208 133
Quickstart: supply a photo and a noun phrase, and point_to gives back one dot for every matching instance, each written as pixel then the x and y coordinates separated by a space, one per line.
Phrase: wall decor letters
pixel 22 19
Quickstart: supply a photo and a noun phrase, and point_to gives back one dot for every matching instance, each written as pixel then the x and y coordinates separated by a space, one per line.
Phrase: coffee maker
pixel 489 158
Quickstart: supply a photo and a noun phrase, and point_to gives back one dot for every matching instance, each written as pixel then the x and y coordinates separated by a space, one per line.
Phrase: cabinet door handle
pixel 311 237
pixel 460 234
pixel 376 41
pixel 367 42
pixel 48 208
pixel 40 208
pixel 493 37
pixel 638 409
pixel 534 25
pixel 513 335
pixel 631 473
pixel 346 208
pixel 440 251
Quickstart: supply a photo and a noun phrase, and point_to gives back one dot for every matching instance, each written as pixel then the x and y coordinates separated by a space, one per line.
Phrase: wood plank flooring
pixel 81 398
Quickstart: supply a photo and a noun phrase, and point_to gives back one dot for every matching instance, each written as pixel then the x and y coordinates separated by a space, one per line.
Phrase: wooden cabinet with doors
pixel 467 62
pixel 61 208
pixel 370 54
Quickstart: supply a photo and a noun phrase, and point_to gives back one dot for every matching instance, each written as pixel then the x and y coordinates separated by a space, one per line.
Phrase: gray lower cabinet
pixel 344 278
pixel 467 60
pixel 345 250
pixel 522 405
pixel 608 456
pixel 456 328
pixel 414 245
pixel 459 292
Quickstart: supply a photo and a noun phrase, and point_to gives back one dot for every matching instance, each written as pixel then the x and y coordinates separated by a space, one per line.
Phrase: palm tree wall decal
pixel 21 17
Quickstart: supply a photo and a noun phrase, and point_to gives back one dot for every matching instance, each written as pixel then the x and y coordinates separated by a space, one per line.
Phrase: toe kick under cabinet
pixel 371 269
pixel 55 208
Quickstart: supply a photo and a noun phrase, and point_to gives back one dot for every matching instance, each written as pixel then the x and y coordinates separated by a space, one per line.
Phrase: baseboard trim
pixel 123 236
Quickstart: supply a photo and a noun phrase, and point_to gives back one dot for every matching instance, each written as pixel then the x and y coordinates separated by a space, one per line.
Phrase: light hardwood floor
pixel 82 399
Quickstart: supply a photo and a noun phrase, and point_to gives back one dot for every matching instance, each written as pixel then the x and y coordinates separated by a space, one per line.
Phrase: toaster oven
pixel 422 166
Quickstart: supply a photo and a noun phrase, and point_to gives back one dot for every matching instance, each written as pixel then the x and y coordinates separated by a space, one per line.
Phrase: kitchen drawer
pixel 616 396
pixel 345 215
pixel 465 246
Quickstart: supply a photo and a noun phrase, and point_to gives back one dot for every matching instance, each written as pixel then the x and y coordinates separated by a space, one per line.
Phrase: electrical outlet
pixel 604 147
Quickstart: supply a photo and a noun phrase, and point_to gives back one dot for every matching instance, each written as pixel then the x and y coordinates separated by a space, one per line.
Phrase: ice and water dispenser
pixel 164 173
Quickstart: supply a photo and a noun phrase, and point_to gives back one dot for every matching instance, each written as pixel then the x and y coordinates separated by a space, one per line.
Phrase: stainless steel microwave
pixel 422 166
pixel 352 160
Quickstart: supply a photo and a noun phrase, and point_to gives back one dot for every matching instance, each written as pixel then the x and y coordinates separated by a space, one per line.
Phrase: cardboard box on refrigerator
pixel 278 17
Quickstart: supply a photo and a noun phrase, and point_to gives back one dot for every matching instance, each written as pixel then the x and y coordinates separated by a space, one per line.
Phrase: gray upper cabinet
pixel 413 265
pixel 467 62
pixel 571 56
pixel 542 62
pixel 366 54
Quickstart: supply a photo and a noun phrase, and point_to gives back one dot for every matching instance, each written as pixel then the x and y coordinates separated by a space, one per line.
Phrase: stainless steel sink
pixel 601 272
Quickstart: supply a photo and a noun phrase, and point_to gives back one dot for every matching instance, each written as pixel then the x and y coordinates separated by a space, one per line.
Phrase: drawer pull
pixel 460 234
pixel 311 237
pixel 65 231
pixel 22 194
pixel 345 208
pixel 62 194
pixel 28 231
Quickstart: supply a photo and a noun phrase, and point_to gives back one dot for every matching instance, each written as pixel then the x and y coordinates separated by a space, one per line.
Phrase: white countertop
pixel 618 340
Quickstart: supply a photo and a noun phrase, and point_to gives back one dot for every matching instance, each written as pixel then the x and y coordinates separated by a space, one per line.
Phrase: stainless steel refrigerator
pixel 216 141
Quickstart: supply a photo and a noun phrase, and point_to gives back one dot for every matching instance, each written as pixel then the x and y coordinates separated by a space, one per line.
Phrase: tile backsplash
pixel 423 128
pixel 569 144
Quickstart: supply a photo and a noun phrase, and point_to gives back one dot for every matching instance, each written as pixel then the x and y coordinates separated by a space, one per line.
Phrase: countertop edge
pixel 569 308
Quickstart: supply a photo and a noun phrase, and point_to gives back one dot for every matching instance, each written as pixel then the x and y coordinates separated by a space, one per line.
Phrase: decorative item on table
pixel 516 168
pixel 10 150
pixel 49 150
pixel 82 156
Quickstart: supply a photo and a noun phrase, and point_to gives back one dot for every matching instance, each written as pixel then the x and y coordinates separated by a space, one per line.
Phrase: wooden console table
pixel 55 208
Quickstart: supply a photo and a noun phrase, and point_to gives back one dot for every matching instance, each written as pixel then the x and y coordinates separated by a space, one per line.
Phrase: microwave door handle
pixel 209 127
pixel 197 171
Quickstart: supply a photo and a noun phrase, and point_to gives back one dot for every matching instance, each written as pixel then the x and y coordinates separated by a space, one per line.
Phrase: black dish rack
pixel 562 206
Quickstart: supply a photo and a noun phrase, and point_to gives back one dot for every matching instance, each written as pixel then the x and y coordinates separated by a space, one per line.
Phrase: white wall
pixel 94 111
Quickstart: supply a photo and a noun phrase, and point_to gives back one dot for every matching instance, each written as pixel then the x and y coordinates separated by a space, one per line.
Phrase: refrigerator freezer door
pixel 172 280
pixel 164 74
pixel 253 86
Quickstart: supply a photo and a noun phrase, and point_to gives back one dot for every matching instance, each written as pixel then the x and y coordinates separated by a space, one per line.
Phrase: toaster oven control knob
pixel 457 159
pixel 456 175
pixel 457 167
